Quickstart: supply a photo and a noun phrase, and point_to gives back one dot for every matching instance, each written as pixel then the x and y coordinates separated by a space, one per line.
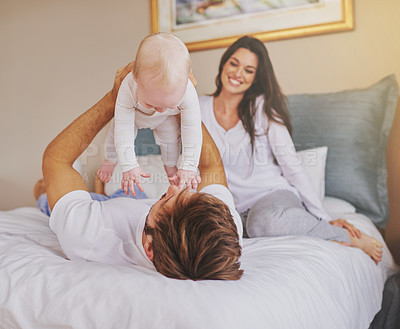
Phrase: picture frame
pixel 200 31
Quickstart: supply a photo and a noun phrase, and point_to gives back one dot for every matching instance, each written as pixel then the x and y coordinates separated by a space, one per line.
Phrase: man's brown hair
pixel 196 239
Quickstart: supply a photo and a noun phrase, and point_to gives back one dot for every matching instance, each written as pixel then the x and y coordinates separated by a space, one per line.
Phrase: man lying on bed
pixel 183 235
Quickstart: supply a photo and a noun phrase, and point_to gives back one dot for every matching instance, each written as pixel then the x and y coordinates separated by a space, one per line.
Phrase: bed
pixel 288 282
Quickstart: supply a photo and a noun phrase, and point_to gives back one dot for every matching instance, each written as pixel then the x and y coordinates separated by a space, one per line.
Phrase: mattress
pixel 288 282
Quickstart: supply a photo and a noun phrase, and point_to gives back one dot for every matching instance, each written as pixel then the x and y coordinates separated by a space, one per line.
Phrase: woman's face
pixel 239 71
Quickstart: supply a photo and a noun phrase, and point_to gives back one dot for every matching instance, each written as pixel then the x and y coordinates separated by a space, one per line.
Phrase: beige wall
pixel 58 58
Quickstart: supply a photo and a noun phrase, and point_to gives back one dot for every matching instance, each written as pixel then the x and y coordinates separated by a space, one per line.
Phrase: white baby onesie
pixel 130 116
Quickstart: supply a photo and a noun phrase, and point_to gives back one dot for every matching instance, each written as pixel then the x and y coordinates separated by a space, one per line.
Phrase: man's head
pixel 193 236
pixel 161 70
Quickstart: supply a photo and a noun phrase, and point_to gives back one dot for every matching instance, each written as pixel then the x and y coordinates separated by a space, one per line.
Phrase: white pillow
pixel 334 205
pixel 314 162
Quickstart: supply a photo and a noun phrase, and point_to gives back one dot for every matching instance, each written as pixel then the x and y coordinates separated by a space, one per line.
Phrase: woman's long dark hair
pixel 265 83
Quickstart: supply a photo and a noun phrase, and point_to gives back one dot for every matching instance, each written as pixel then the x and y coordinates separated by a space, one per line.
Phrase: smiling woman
pixel 246 72
pixel 249 121
pixel 239 72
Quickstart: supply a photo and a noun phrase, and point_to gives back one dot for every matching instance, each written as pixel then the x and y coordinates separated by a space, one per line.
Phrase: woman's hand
pixel 354 232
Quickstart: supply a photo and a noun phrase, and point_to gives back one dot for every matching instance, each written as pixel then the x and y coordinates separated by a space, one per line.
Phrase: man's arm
pixel 210 166
pixel 60 154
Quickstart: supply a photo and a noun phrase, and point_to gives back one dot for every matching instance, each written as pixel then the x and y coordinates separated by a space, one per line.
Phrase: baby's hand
pixel 171 171
pixel 185 177
pixel 106 170
pixel 132 177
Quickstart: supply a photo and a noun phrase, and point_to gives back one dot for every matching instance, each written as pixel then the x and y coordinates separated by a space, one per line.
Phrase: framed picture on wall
pixel 217 23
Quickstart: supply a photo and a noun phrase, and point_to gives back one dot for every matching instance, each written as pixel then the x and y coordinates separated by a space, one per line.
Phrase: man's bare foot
pixel 369 245
pixel 106 170
pixel 39 189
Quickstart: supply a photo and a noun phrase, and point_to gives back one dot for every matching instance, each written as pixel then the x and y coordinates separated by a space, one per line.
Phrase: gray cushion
pixel 354 124
pixel 145 143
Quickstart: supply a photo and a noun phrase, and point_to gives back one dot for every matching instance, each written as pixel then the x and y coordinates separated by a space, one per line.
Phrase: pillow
pixel 354 124
pixel 313 162
pixel 335 205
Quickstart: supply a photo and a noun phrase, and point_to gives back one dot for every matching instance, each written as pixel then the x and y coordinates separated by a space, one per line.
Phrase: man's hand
pixel 132 177
pixel 121 74
pixel 193 79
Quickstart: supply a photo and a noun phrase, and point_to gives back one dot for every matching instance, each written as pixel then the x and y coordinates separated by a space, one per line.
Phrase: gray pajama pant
pixel 282 213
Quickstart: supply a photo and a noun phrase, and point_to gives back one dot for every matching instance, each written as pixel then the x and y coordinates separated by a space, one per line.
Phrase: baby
pixel 151 96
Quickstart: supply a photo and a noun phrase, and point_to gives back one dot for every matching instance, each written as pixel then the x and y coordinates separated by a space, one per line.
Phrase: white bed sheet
pixel 288 282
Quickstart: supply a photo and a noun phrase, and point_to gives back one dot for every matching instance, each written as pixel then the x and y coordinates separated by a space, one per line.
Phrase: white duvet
pixel 288 282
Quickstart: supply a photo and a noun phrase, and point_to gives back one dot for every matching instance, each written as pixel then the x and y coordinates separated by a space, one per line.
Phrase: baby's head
pixel 161 70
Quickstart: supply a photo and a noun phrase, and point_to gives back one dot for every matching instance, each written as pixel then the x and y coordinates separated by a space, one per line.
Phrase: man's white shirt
pixel 111 231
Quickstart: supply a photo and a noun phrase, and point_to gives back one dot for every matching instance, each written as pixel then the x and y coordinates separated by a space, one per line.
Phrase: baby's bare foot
pixel 106 170
pixel 369 245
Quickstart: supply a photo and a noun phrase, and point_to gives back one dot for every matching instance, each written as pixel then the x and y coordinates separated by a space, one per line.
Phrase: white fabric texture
pixel 130 115
pixel 111 231
pixel 288 282
pixel 331 205
pixel 251 177
pixel 313 162
pixel 107 232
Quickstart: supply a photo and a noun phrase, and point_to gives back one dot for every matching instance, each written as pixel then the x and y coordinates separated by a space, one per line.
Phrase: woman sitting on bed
pixel 248 119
